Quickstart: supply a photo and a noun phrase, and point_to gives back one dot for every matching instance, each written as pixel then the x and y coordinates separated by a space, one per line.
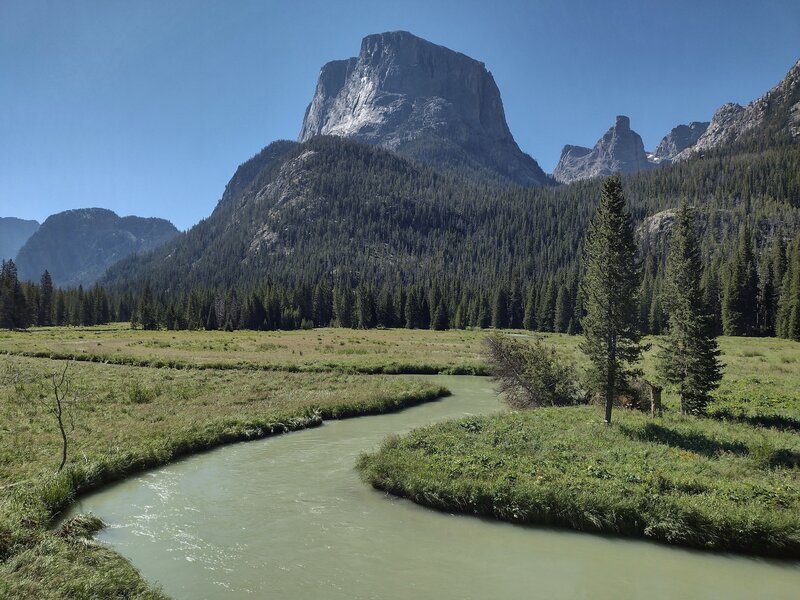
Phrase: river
pixel 288 517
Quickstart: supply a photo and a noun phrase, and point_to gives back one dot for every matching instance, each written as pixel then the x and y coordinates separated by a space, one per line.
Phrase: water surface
pixel 288 517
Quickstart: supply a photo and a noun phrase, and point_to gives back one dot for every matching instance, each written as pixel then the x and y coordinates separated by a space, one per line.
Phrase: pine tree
pixel 440 320
pixel 563 312
pixel 500 308
pixel 740 289
pixel 688 359
pixel 14 310
pixel 788 320
pixel 612 338
pixel 46 300
pixel 365 308
pixel 531 306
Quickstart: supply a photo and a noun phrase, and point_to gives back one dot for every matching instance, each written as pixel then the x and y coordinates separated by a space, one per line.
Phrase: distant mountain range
pixel 77 246
pixel 621 149
pixel 13 235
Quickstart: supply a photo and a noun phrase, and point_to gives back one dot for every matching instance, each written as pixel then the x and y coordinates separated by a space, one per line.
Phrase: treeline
pixel 26 304
pixel 747 294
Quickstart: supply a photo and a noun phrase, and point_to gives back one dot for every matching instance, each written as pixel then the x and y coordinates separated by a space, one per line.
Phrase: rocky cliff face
pixel 678 140
pixel 619 150
pixel 778 110
pixel 77 246
pixel 419 100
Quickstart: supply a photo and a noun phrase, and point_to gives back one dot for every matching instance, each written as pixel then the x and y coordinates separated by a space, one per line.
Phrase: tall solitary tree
pixel 610 285
pixel 688 359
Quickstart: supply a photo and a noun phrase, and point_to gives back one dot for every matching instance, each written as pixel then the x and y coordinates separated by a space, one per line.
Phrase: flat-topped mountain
pixel 619 150
pixel 423 101
pixel 77 246
pixel 14 233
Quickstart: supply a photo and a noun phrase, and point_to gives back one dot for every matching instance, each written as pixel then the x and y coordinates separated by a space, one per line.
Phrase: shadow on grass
pixel 771 421
pixel 694 442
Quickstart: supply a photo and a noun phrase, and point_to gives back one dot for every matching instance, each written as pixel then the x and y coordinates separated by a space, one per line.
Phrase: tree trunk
pixel 655 399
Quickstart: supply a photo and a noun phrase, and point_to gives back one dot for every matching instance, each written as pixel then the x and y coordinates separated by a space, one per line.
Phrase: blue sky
pixel 147 107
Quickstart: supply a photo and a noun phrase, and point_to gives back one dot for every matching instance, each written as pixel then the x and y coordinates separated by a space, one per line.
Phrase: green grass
pixel 131 418
pixel 387 351
pixel 146 398
pixel 678 480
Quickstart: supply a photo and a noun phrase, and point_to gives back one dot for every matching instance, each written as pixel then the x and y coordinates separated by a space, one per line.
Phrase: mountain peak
pixel 619 150
pixel 421 100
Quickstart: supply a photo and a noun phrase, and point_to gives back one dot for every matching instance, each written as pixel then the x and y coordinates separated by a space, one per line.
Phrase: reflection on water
pixel 287 517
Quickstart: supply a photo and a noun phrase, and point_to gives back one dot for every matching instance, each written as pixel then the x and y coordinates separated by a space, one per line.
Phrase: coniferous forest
pixel 385 242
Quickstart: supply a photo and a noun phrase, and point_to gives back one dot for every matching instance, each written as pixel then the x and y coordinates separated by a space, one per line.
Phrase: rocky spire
pixel 619 150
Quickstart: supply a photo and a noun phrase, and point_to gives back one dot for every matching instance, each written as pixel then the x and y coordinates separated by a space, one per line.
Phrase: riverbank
pixel 127 419
pixel 678 480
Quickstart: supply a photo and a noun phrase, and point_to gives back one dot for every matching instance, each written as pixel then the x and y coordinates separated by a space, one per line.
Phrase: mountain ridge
pixel 76 246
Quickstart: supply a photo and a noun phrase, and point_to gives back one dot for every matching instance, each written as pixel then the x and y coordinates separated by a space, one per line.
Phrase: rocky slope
pixel 77 246
pixel 619 150
pixel 776 113
pixel 422 101
pixel 678 140
pixel 13 235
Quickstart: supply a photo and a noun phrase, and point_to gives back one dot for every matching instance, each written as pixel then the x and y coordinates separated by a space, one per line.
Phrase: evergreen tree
pixel 365 307
pixel 563 312
pixel 14 310
pixel 387 315
pixel 46 300
pixel 788 320
pixel 740 289
pixel 688 359
pixel 440 320
pixel 531 307
pixel 343 305
pixel 612 339
pixel 500 308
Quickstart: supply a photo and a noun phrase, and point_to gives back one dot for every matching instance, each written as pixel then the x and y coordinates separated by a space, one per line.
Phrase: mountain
pixel 332 209
pixel 678 140
pixel 619 150
pixel 13 234
pixel 77 246
pixel 422 101
pixel 770 119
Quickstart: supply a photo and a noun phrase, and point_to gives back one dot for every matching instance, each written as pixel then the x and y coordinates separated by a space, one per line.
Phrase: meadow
pixel 143 398
pixel 123 419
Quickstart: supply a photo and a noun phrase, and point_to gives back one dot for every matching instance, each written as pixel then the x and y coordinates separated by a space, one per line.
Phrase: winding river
pixel 288 517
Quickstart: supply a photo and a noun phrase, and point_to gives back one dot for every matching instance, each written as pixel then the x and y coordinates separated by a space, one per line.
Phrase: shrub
pixel 530 374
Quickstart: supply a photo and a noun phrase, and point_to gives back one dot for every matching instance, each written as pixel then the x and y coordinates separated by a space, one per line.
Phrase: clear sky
pixel 147 107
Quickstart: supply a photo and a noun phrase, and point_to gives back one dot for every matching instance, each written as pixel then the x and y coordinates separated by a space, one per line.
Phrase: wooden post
pixel 655 399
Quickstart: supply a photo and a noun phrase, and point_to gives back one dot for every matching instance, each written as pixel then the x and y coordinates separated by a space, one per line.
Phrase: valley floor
pixel 144 398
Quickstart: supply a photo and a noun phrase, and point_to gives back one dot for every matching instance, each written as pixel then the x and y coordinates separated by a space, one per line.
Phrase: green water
pixel 287 517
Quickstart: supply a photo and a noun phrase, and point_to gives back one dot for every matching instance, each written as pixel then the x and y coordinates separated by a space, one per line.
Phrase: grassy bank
pixel 127 419
pixel 678 480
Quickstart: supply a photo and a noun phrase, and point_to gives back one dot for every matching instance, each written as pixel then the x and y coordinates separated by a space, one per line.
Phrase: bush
pixel 530 374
